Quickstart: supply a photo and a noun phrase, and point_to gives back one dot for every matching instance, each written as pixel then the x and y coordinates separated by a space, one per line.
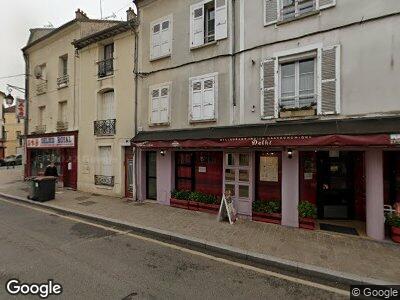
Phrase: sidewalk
pixel 318 251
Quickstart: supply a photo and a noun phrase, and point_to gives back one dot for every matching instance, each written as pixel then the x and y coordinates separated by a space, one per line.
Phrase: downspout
pixel 136 74
pixel 26 121
pixel 233 38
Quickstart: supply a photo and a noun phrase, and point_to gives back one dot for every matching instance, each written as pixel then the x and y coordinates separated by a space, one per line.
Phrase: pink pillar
pixel 374 194
pixel 165 176
pixel 290 189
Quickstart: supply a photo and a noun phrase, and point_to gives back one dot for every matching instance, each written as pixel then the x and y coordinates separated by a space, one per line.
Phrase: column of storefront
pixel 290 189
pixel 141 175
pixel 165 176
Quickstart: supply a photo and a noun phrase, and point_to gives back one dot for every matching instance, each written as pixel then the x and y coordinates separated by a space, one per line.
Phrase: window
pixel 106 65
pixel 105 163
pixel 64 65
pixel 161 36
pixel 298 84
pixel 19 137
pixel 42 110
pixel 294 8
pixel 204 95
pixel 208 22
pixel 159 103
pixel 62 111
pixel 106 110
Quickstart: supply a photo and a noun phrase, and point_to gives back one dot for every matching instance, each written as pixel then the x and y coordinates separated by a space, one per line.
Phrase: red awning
pixel 286 141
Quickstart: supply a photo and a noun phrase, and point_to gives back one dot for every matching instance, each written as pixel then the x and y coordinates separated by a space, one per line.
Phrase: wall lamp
pixel 163 152
pixel 289 153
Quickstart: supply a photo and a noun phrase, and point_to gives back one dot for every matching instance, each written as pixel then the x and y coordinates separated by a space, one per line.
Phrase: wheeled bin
pixel 43 188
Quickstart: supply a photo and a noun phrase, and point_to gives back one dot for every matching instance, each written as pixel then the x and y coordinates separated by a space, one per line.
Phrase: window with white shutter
pixel 106 110
pixel 208 22
pixel 159 104
pixel 203 97
pixel 330 80
pixel 268 103
pixel 105 163
pixel 161 38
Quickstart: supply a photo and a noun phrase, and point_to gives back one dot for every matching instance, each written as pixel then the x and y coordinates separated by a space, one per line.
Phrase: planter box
pixel 274 218
pixel 193 205
pixel 396 234
pixel 179 203
pixel 209 208
pixel 307 223
pixel 298 113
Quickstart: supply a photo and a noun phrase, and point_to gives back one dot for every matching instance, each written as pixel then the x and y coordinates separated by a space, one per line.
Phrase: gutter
pixel 136 80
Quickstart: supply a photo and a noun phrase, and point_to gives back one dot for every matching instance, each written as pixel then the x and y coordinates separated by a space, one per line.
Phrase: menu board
pixel 226 210
pixel 269 168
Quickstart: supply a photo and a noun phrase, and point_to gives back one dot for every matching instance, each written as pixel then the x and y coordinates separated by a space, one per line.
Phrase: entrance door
pixel 128 172
pixel 151 175
pixel 237 180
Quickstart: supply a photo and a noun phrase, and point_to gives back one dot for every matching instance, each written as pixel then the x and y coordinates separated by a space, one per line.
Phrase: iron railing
pixel 41 88
pixel 106 67
pixel 62 81
pixel 104 180
pixel 105 127
pixel 62 126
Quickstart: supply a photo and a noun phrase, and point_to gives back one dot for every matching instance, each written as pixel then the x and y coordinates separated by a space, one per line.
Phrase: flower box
pixel 274 218
pixel 296 113
pixel 179 203
pixel 193 205
pixel 396 234
pixel 307 223
pixel 209 208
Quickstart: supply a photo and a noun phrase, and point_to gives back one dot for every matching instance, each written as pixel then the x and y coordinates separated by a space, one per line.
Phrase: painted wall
pixel 11 126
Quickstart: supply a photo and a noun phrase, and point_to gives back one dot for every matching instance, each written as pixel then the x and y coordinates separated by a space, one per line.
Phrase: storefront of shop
pixel 346 176
pixel 59 148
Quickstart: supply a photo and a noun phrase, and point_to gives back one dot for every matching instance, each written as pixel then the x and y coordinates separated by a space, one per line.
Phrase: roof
pixel 105 33
pixel 359 126
pixel 10 109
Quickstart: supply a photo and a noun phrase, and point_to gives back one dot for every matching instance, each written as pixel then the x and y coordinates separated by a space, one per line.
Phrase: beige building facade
pixel 13 132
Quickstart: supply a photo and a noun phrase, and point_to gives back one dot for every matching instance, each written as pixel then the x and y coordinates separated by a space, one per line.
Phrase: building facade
pixel 2 99
pixel 52 96
pixel 273 100
pixel 13 132
pixel 106 105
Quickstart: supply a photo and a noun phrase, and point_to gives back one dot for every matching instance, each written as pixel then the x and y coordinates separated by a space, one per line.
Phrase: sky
pixel 18 16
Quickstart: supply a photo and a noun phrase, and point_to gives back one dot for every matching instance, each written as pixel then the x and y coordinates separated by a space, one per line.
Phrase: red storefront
pixel 60 148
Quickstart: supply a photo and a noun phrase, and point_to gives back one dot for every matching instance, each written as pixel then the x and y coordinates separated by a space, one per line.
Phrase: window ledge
pixel 105 137
pixel 297 118
pixel 160 57
pixel 305 15
pixel 202 121
pixel 106 77
pixel 104 187
pixel 62 86
pixel 204 45
pixel 159 124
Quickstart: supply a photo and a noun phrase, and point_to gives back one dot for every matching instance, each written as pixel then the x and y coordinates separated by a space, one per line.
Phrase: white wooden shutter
pixel 268 88
pixel 108 110
pixel 165 38
pixel 221 20
pixel 270 11
pixel 197 99
pixel 105 161
pixel 326 3
pixel 164 105
pixel 155 50
pixel 208 109
pixel 197 25
pixel 330 80
pixel 155 100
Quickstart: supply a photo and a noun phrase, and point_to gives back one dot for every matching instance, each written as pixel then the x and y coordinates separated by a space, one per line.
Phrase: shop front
pixel 60 148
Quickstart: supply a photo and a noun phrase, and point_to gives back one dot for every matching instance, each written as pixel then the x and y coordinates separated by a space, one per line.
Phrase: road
pixel 91 261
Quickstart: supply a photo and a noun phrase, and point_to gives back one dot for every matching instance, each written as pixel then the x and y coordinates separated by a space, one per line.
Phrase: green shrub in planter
pixel 393 220
pixel 181 195
pixel 269 207
pixel 195 196
pixel 307 210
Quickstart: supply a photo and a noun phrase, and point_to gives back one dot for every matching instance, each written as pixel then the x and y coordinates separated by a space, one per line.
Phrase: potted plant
pixel 209 204
pixel 393 220
pixel 194 200
pixel 294 112
pixel 267 211
pixel 180 199
pixel 307 215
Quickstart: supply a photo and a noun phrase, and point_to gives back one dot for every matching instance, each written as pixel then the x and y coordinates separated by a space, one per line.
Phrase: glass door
pixel 237 180
pixel 151 175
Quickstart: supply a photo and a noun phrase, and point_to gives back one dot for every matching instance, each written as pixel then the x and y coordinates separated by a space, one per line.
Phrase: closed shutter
pixel 105 161
pixel 108 110
pixel 268 88
pixel 197 99
pixel 164 105
pixel 270 11
pixel 326 3
pixel 155 100
pixel 330 80
pixel 165 38
pixel 197 25
pixel 156 41
pixel 221 20
pixel 208 98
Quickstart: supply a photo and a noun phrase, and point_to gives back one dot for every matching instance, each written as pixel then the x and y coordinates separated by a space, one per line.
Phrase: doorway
pixel 151 175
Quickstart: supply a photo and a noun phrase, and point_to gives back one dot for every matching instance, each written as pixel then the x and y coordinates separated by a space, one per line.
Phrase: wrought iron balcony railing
pixel 62 126
pixel 106 67
pixel 62 81
pixel 40 128
pixel 41 88
pixel 105 127
pixel 104 180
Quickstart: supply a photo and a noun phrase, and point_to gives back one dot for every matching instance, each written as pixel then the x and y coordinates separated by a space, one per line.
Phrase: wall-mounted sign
pixel 226 210
pixel 269 168
pixel 395 138
pixel 202 169
pixel 20 109
pixel 64 141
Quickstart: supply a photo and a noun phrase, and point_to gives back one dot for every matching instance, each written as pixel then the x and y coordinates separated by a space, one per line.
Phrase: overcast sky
pixel 17 16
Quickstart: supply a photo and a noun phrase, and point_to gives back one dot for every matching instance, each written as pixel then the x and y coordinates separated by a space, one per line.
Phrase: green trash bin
pixel 43 188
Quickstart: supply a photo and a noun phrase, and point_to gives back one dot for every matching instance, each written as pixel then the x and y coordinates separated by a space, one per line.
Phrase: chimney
pixel 130 14
pixel 80 15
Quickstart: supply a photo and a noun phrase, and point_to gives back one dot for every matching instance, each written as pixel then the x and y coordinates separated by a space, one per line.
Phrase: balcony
pixel 62 126
pixel 62 81
pixel 41 88
pixel 105 127
pixel 104 180
pixel 40 129
pixel 106 67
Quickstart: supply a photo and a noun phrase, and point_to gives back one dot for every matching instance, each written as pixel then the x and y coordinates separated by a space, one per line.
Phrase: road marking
pixel 189 251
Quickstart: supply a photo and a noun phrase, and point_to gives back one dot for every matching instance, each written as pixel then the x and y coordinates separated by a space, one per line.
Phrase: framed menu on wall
pixel 269 168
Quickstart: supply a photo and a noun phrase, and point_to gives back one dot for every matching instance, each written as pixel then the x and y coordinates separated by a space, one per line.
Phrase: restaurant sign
pixel 64 141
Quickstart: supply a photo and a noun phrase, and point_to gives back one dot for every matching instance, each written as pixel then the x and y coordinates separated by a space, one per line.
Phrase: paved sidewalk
pixel 322 250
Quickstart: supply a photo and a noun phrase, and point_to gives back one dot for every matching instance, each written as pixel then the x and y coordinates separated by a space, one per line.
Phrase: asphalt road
pixel 91 262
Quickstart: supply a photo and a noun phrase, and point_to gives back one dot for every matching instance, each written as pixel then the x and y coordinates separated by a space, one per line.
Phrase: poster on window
pixel 269 168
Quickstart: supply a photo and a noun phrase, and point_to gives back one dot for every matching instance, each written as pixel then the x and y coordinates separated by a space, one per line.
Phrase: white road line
pixel 193 252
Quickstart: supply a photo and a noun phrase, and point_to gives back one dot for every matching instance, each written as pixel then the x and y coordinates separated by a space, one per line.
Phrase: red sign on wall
pixel 20 109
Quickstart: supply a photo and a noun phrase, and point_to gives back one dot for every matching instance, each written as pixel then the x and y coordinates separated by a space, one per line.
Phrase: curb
pixel 266 260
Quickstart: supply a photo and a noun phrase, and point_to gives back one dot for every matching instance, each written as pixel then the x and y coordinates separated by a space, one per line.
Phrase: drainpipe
pixel 233 38
pixel 136 73
pixel 26 121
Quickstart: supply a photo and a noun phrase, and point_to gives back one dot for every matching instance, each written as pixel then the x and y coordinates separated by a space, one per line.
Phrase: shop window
pixel 42 158
pixel 268 176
